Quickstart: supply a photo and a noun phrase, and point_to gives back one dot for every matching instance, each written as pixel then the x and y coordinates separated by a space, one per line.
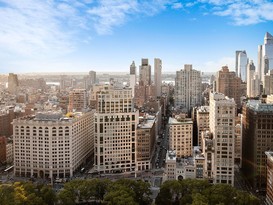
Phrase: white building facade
pixel 51 145
pixel 222 128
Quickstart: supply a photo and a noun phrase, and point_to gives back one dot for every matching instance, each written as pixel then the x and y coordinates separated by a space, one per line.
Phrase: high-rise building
pixel 253 82
pixel 92 77
pixel 257 126
pixel 133 77
pixel 13 83
pixel 242 65
pixel 268 83
pixel 77 100
pixel 180 135
pixel 187 92
pixel 202 122
pixel 145 72
pixel 265 56
pixel 228 84
pixel 222 128
pixel 50 145
pixel 236 62
pixel 115 131
pixel 269 177
pixel 157 74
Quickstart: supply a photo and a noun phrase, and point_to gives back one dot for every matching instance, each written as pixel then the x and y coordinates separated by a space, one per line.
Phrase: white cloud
pixel 242 12
pixel 177 5
pixel 108 14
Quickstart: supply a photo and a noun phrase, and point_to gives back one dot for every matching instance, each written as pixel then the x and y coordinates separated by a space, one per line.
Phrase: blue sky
pixel 107 35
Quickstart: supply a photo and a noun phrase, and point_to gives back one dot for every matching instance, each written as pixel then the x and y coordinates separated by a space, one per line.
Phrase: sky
pixel 107 35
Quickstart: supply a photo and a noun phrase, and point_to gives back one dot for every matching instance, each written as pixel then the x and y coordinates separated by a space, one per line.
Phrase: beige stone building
pixel 116 123
pixel 222 128
pixel 202 118
pixel 180 135
pixel 50 145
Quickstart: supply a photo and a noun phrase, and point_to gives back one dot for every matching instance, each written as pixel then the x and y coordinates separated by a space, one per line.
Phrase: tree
pixel 120 196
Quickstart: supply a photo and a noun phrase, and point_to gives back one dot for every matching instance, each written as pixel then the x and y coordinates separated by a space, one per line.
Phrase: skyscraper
pixel 13 83
pixel 133 77
pixel 253 82
pixel 265 56
pixel 157 74
pixel 92 77
pixel 145 72
pixel 187 93
pixel 242 65
pixel 222 128
pixel 236 62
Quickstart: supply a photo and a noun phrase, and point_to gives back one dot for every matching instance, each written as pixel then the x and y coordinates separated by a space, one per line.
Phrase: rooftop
pixel 258 106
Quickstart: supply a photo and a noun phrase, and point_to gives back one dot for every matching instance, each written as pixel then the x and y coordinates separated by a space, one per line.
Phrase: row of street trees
pixel 124 192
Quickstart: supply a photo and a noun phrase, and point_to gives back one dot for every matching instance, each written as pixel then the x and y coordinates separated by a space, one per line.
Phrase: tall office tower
pixel 92 77
pixel 51 145
pixel 228 84
pixel 158 77
pixel 180 135
pixel 265 56
pixel 115 131
pixel 222 128
pixel 187 91
pixel 268 83
pixel 202 122
pixel 145 72
pixel 253 82
pixel 257 126
pixel 13 83
pixel 133 77
pixel 242 65
pixel 146 134
pixel 77 100
pixel 269 177
pixel 236 62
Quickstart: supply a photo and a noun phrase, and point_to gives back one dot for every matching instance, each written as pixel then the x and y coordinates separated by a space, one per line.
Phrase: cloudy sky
pixel 107 35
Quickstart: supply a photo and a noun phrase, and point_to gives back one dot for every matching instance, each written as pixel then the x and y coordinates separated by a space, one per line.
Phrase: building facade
pixel 187 93
pixel 145 72
pixel 222 128
pixel 77 100
pixel 229 84
pixel 50 145
pixel 269 177
pixel 158 75
pixel 180 136
pixel 202 117
pixel 115 131
pixel 257 138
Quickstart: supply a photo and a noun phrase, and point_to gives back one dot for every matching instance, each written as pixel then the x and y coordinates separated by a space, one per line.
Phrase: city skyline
pixel 67 36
